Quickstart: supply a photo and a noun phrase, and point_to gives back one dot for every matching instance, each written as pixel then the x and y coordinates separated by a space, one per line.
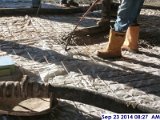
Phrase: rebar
pixel 70 35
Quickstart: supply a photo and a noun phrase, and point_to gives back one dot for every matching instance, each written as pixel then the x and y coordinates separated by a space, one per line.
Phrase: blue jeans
pixel 127 15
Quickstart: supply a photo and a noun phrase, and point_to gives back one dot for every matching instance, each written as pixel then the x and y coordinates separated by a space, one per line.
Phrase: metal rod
pixel 70 34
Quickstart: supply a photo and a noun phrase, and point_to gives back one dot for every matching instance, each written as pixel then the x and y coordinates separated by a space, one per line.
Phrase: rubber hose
pixel 98 100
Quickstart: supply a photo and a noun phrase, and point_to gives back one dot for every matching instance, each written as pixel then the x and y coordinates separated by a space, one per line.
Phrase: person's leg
pixel 106 8
pixel 135 22
pixel 127 13
pixel 105 15
pixel 132 34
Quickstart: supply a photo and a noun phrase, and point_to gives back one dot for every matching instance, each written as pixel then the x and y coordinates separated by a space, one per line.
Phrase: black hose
pixel 99 100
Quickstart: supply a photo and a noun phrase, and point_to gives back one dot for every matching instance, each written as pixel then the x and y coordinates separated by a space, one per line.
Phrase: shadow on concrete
pixel 149 34
pixel 150 31
pixel 145 81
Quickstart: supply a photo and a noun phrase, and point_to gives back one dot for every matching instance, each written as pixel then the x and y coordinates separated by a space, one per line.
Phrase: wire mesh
pixel 35 42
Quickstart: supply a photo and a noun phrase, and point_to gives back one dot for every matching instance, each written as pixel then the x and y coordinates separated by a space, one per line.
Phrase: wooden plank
pixel 25 107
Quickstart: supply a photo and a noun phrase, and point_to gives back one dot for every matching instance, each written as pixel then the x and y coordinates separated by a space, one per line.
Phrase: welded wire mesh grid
pixel 34 43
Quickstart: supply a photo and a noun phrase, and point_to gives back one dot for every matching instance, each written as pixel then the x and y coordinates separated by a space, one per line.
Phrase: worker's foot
pixel 72 3
pixel 103 22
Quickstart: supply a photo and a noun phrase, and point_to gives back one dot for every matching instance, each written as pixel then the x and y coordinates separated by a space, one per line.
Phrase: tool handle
pixel 89 9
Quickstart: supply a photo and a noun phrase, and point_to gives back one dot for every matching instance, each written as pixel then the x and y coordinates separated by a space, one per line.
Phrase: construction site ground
pixel 35 44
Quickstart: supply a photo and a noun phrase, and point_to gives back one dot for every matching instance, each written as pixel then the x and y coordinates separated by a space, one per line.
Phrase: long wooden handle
pixel 89 9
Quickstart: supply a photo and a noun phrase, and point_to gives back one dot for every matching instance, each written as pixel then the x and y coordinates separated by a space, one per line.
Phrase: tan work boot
pixel 131 40
pixel 113 49
pixel 103 21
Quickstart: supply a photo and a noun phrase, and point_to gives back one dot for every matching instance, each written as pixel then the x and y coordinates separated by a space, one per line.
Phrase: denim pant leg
pixel 135 21
pixel 127 14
